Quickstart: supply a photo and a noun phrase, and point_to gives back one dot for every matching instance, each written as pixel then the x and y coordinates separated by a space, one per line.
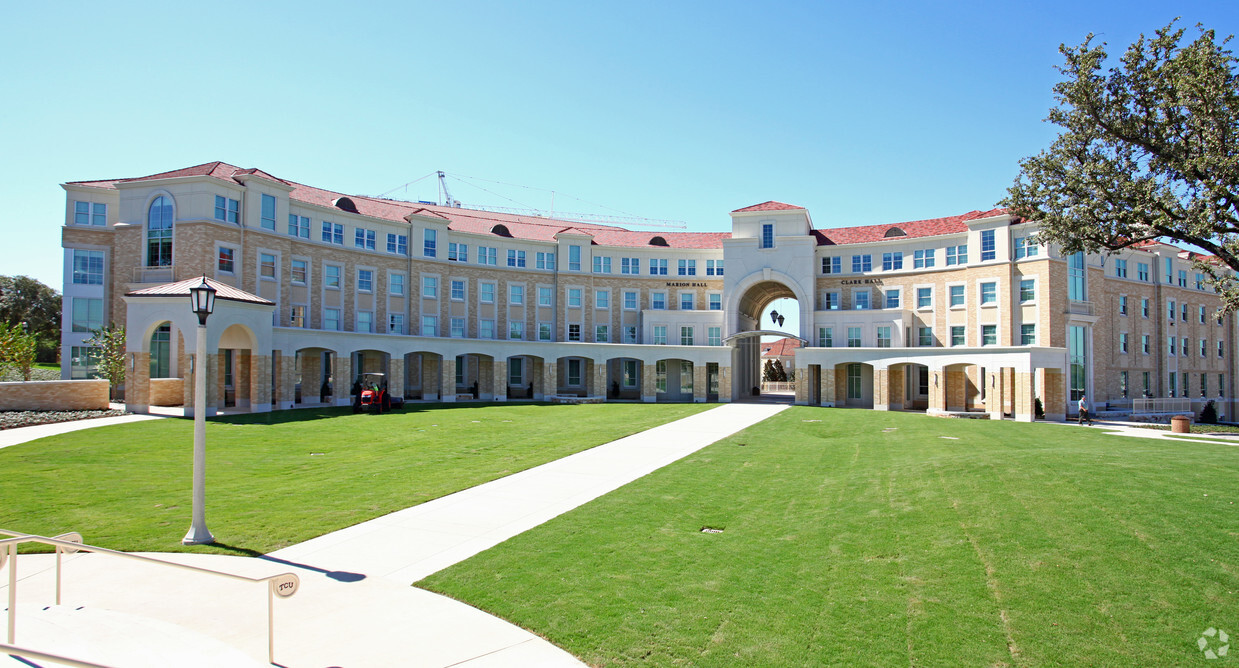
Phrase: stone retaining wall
pixel 167 391
pixel 54 395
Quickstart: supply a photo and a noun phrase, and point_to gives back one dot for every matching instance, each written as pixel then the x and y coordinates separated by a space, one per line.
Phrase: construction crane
pixel 447 196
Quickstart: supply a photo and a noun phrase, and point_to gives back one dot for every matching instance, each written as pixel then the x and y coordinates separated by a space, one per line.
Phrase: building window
pixel 1142 271
pixel 1124 389
pixel 298 226
pixel 1122 304
pixel 1028 292
pixel 660 376
pixel 1183 313
pixel 1028 336
pixel 516 330
pixel 825 337
pixel 430 242
pixel 630 265
pixel 1170 345
pixel 1170 310
pixel 987 245
pixel 958 336
pixel 365 321
pixel 630 373
pixel 1184 349
pixel 601 333
pixel 989 335
pixel 545 296
pixel 88 213
pixel 87 314
pixel 516 258
pixel 516 295
pixel 686 301
pixel 161 352
pixel 574 332
pixel 296 316
pixel 862 263
pixel 892 261
pixel 767 235
pixel 488 255
pixel 989 293
pixel 892 298
pixel 1145 346
pixel 1221 349
pixel 832 265
pixel 956 294
pixel 658 267
pixel 686 377
pixel 884 337
pixel 716 301
pixel 1204 384
pixel 713 268
pixel 925 336
pixel 714 336
pixel 227 209
pixel 1120 268
pixel 331 319
pixel 1024 247
pixel 430 325
pixel 365 280
pixel 658 300
pixel 266 266
pixel 574 298
pixel 225 264
pixel 363 238
pixel 1204 347
pixel 660 335
pixel 956 255
pixel 159 233
pixel 1123 348
pixel 544 331
pixel 87 267
pixel 1144 308
pixel 854 381
pixel 830 301
pixel 1075 278
pixel 853 337
pixel 574 371
pixel 486 329
pixel 1221 384
pixel 1202 315
pixel 686 336
pixel 398 244
pixel 602 265
pixel 1200 281
pixel 395 284
pixel 267 216
pixel 1182 278
pixel 458 252
pixel 516 375
pixel 630 334
pixel 1173 378
pixel 924 298
pixel 860 300
pixel 333 233
pixel 430 287
pixel 687 268
pixel 486 293
pixel 574 258
pixel 331 276
pixel 602 299
pixel 395 323
pixel 456 328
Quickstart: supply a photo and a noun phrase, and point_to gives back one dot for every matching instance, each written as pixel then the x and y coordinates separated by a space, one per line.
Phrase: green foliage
pixel 274 479
pixel 1038 409
pixel 1145 151
pixel 774 372
pixel 17 349
pixel 874 538
pixel 109 347
pixel 1208 414
pixel 26 300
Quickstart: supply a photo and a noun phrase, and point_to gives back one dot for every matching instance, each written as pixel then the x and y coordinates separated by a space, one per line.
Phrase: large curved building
pixel 957 314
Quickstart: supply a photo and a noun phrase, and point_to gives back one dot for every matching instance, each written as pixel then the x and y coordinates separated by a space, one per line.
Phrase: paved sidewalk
pixel 19 435
pixel 1139 430
pixel 355 606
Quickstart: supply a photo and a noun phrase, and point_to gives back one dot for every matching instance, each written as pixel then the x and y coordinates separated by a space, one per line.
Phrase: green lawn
pixel 280 478
pixel 844 544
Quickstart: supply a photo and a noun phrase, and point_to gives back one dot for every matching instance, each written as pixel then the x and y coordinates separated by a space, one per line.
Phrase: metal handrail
pixel 13 650
pixel 282 585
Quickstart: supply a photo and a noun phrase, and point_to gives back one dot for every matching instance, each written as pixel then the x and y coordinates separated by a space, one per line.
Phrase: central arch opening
pixel 764 365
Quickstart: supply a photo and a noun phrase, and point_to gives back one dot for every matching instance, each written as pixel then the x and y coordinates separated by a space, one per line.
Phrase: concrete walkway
pixel 355 606
pixel 19 435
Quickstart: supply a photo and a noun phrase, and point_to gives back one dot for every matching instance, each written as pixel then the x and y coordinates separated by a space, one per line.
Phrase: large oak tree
pixel 1147 150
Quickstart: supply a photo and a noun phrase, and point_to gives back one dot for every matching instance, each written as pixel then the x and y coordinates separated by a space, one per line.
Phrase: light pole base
pixel 198 536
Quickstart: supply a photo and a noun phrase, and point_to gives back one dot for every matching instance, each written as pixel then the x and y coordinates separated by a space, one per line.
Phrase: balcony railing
pixel 164 274
pixel 1079 308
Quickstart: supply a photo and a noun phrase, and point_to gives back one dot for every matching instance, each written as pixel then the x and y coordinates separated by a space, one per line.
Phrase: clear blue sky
pixel 862 112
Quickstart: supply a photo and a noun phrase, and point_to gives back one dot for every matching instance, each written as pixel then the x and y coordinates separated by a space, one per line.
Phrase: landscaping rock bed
pixel 12 419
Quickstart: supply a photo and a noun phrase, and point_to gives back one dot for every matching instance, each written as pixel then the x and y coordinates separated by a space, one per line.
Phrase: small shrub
pixel 1208 414
pixel 1038 409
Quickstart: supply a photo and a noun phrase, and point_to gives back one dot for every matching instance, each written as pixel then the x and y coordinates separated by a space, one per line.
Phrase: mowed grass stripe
pixel 280 478
pixel 1016 544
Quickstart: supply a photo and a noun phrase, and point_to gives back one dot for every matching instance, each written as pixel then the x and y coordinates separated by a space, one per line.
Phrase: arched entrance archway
pixel 748 303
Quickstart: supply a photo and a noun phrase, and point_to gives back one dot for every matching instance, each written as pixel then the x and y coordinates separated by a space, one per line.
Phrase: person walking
pixel 1084 410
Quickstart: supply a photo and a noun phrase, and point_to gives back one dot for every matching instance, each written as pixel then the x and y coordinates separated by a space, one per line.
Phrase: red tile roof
pixel 769 206
pixel 179 288
pixel 912 229
pixel 785 347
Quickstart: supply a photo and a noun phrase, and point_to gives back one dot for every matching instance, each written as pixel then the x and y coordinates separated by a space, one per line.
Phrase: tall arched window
pixel 159 233
pixel 161 352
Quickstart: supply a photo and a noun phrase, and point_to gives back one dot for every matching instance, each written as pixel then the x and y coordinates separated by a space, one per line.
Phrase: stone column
pixel 486 378
pixel 599 374
pixel 1023 396
pixel 395 376
pixel 1008 379
pixel 898 388
pixel 550 378
pixel 447 379
pixel 881 389
pixel 536 369
pixel 138 383
pixel 431 387
pixel 342 379
pixel 826 385
pixel 724 383
pixel 937 391
pixel 312 378
pixel 802 386
pixel 956 390
pixel 260 383
pixel 499 373
pixel 1053 384
pixel 841 384
pixel 700 383
pixel 995 395
pixel 649 390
